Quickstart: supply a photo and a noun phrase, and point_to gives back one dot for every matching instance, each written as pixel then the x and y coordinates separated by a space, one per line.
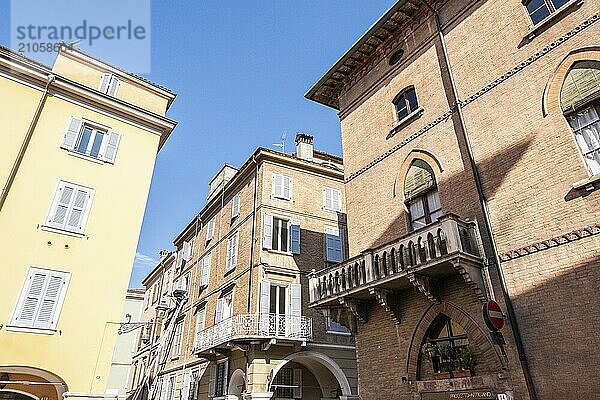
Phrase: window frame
pixel 16 326
pixel 333 192
pixel 333 231
pixel 210 229
pixel 232 252
pixel 282 196
pixel 221 387
pixel 551 8
pixel 178 339
pixel 423 198
pixel 410 108
pixel 345 332
pixel 81 124
pixel 205 266
pixel 62 228
pixel 111 86
pixel 235 206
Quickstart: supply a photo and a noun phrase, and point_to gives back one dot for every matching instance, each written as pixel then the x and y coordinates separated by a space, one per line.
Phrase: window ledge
pixel 85 157
pixel 339 333
pixel 543 24
pixel 589 184
pixel 331 210
pixel 14 328
pixel 398 125
pixel 61 231
pixel 281 198
pixel 283 253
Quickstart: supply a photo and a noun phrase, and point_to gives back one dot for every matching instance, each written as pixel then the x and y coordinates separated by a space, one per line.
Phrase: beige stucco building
pixel 77 140
pixel 241 327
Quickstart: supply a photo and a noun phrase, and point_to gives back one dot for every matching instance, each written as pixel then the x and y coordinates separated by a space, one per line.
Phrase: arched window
pixel 421 194
pixel 580 103
pixel 447 347
pixel 406 103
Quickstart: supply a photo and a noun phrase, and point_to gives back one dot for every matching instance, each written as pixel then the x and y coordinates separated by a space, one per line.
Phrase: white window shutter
pixel 71 134
pixel 210 229
pixel 268 231
pixel 295 237
pixel 187 251
pixel 77 215
pixel 104 82
pixel 328 202
pixel 297 383
pixel 287 188
pixel 35 285
pixel 333 240
pixel 163 388
pixel 113 86
pixel 278 185
pixel 179 259
pixel 205 273
pixel 337 195
pixel 265 296
pixel 219 310
pixel 212 382
pixel 62 204
pixel 110 149
pixel 235 206
pixel 185 391
pixel 295 300
pixel 49 303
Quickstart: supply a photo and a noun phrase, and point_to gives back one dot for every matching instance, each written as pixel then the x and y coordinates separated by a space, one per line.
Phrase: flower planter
pixel 442 375
pixel 462 374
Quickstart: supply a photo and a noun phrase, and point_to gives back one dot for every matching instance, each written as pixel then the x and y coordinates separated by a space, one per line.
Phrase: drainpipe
pixel 252 238
pixel 15 167
pixel 482 202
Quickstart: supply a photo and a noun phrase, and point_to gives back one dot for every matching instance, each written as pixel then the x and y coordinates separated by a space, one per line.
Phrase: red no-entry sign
pixel 493 316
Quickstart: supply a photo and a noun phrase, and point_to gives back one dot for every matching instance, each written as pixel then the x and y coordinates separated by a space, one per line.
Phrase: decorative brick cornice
pixel 501 79
pixel 533 58
pixel 556 241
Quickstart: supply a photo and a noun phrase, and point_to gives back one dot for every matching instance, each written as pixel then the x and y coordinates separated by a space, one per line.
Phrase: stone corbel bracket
pixel 424 285
pixel 473 278
pixel 388 301
pixel 356 307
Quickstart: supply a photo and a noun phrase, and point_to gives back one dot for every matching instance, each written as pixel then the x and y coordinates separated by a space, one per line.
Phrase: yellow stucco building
pixel 78 143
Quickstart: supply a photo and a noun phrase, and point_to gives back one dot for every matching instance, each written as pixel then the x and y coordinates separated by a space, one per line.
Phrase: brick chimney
pixel 304 146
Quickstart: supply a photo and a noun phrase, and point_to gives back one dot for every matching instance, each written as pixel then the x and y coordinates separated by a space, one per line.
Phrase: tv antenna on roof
pixel 282 144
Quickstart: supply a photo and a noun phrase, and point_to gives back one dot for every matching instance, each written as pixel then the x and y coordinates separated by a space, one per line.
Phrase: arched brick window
pixel 421 194
pixel 580 103
pixel 447 349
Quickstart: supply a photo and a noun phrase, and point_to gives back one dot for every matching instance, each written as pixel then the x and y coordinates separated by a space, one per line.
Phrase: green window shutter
pixel 419 179
pixel 581 86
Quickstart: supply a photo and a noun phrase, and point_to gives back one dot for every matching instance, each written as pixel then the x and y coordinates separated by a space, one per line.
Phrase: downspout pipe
pixel 21 154
pixel 482 202
pixel 253 235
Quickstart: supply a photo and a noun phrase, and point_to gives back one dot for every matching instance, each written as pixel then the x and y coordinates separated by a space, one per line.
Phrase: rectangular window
pixel 200 318
pixel 235 206
pixel 221 379
pixel 333 243
pixel 231 252
pixel 205 272
pixel 539 10
pixel 425 209
pixel 210 229
pixel 177 339
pixel 406 103
pixel 586 127
pixel 91 139
pixel 336 327
pixel 70 207
pixel 281 234
pixel 331 199
pixel 224 307
pixel 109 84
pixel 282 187
pixel 284 383
pixel 41 299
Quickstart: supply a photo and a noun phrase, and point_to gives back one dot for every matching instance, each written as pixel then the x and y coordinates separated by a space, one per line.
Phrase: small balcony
pixel 448 246
pixel 252 327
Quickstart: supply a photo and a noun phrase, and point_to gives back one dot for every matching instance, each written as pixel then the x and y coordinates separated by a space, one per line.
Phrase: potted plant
pixel 433 351
pixel 466 361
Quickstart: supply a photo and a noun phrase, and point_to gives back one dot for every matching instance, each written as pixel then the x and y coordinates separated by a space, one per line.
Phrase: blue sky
pixel 240 70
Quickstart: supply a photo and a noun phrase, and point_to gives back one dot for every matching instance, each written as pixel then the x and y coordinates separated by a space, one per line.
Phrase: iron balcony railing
pixel 249 326
pixel 429 245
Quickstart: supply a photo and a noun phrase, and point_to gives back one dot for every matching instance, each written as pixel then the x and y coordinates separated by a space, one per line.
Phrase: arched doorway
pixel 27 383
pixel 237 383
pixel 309 375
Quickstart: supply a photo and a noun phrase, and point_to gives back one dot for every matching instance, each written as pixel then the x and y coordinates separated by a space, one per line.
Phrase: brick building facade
pixel 237 323
pixel 470 137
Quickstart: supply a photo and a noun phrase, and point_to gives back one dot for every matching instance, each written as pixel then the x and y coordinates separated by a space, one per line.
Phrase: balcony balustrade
pixel 436 250
pixel 243 327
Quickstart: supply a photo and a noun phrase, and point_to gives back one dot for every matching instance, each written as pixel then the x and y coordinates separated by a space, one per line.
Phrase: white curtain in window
pixel 586 126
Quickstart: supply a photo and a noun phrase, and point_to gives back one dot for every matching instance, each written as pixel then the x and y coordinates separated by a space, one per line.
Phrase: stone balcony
pixel 246 328
pixel 427 255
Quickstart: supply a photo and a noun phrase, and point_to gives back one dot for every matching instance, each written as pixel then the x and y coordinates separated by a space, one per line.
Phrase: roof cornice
pixel 371 45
